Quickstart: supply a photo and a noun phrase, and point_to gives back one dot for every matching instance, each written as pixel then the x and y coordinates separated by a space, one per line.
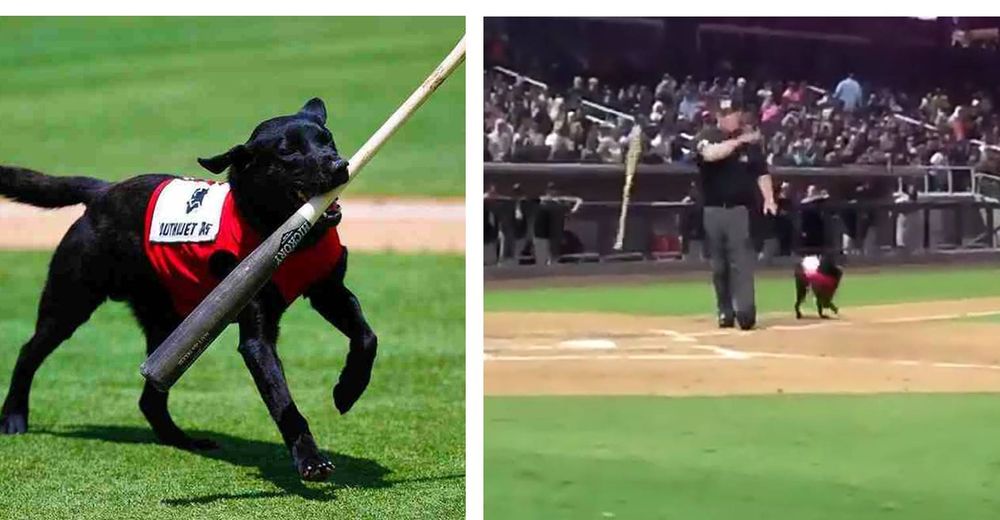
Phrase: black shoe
pixel 726 321
pixel 746 320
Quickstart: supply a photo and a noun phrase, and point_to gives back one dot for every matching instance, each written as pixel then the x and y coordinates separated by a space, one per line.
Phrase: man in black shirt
pixel 733 170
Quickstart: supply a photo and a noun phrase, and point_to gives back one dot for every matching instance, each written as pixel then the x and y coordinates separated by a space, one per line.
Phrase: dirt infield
pixel 926 347
pixel 406 225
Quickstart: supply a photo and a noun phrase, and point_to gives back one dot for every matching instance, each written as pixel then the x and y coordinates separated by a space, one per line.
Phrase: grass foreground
pixel 400 453
pixel 913 457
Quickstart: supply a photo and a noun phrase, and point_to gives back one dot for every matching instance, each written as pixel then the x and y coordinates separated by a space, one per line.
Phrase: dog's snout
pixel 338 169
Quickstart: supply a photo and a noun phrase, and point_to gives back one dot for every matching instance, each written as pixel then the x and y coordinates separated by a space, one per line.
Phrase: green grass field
pixel 774 293
pixel 914 456
pixel 400 453
pixel 115 97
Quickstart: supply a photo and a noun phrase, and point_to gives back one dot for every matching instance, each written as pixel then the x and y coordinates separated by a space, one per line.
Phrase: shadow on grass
pixel 271 459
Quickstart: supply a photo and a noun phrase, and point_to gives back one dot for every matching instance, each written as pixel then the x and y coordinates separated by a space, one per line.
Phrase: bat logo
pixel 290 240
pixel 196 200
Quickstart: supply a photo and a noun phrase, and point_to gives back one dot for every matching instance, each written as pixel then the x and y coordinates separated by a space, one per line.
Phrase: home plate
pixel 595 344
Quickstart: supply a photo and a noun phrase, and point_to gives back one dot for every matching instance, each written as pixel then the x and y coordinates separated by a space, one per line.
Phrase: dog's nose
pixel 339 174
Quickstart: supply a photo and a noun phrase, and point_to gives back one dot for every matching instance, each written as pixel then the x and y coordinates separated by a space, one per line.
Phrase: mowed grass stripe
pixel 774 293
pixel 399 454
pixel 779 458
pixel 115 97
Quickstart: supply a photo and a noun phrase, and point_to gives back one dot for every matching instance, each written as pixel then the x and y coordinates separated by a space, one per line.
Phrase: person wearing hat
pixel 732 170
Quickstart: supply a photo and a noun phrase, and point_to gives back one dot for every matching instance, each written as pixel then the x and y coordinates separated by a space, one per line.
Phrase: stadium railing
pixel 606 117
pixel 669 231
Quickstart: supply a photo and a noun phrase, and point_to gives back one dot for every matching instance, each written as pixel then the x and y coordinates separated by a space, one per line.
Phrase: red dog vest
pixel 182 263
pixel 820 283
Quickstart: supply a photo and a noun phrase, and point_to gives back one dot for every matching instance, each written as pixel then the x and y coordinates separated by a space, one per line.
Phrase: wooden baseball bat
pixel 173 357
pixel 631 163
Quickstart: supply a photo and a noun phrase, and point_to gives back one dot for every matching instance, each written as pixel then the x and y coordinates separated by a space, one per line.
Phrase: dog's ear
pixel 236 155
pixel 315 109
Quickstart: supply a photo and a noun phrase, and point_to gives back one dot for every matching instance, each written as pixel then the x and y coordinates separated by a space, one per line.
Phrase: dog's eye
pixel 325 137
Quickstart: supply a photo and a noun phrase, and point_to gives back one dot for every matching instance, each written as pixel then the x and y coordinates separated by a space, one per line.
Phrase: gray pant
pixel 543 251
pixel 491 253
pixel 727 237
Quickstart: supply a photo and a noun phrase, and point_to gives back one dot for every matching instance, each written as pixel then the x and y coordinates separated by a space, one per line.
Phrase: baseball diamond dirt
pixel 383 224
pixel 915 347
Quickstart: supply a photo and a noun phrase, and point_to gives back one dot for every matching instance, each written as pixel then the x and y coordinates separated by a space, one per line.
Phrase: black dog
pixel 286 160
pixel 822 275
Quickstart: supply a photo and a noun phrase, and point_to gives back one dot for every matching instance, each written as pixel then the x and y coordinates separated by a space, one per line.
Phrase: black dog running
pixel 286 160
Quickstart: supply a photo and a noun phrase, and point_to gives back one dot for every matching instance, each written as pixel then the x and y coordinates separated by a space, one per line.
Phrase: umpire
pixel 733 171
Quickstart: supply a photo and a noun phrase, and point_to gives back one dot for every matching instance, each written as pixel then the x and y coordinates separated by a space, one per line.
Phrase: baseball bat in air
pixel 631 163
pixel 176 354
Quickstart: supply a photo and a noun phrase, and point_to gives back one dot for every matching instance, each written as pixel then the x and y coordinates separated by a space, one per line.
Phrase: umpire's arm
pixel 759 164
pixel 711 152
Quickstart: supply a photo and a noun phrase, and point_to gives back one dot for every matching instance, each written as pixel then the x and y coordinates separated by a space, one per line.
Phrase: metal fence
pixel 671 231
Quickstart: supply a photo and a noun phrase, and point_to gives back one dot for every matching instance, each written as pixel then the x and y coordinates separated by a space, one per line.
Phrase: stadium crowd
pixel 804 125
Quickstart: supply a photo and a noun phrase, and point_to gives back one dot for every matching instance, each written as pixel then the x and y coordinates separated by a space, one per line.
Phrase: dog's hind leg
pixel 75 288
pixel 335 302
pixel 820 305
pixel 258 339
pixel 153 403
pixel 800 292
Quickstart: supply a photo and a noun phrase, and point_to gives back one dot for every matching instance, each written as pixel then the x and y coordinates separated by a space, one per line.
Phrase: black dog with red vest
pixel 161 243
pixel 821 275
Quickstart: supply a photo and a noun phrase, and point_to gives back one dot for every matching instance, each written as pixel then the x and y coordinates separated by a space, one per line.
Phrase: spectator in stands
pixel 661 146
pixel 795 94
pixel 938 177
pixel 958 121
pixel 559 137
pixel 609 148
pixel 501 140
pixel 666 90
pixel 848 92
pixel 690 105
pixel 589 154
pixel 561 146
pixel 576 93
pixel 658 112
pixel 739 95
pixel 534 112
pixel 770 111
pixel 593 88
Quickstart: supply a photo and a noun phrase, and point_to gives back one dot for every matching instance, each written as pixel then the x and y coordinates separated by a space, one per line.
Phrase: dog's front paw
pixel 13 423
pixel 316 468
pixel 356 375
pixel 309 462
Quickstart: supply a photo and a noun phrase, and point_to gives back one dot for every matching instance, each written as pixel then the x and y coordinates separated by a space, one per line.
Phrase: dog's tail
pixel 47 191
